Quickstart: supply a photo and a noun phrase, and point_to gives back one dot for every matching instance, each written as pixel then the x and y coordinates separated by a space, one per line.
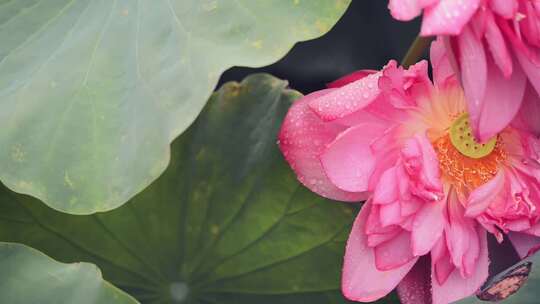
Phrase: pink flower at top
pixel 433 192
pixel 495 45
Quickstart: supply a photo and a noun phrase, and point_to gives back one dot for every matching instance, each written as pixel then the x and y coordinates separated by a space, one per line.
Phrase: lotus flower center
pixel 464 162
pixel 463 140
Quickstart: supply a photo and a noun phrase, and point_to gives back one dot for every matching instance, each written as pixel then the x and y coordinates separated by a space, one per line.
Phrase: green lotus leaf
pixel 226 223
pixel 92 93
pixel 28 276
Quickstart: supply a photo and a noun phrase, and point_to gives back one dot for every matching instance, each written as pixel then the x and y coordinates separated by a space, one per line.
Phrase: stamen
pixel 464 172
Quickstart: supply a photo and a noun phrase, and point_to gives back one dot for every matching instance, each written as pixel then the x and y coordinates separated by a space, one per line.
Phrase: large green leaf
pixel 92 92
pixel 226 223
pixel 27 276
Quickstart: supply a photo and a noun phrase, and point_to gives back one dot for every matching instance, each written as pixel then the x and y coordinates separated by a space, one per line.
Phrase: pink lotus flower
pixel 433 192
pixel 495 44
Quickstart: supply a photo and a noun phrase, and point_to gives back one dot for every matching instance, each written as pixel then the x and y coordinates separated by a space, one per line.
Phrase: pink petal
pixel 530 27
pixel 517 41
pixel 504 8
pixel 478 22
pixel 430 163
pixel 484 195
pixel 443 71
pixel 394 253
pixel 534 230
pixel 448 17
pixel 440 261
pixel 458 230
pixel 439 250
pixel 390 214
pixel 502 101
pixel 348 161
pixel 427 3
pixel 442 269
pixel 531 70
pixel 428 226
pixel 384 109
pixel 456 287
pixel 405 10
pixel 402 87
pixel 348 99
pixel 422 167
pixel 474 69
pixel 527 117
pixel 387 190
pixel 363 116
pixel 497 46
pixel 361 280
pixel 415 288
pixel 352 77
pixel 471 256
pixel 524 243
pixel 302 138
pixel 518 224
pixel 404 180
pixel 374 225
pixel 407 223
pixel 376 239
pixel 411 205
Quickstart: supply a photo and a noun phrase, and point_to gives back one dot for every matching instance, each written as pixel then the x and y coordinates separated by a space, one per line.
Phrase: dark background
pixel 366 37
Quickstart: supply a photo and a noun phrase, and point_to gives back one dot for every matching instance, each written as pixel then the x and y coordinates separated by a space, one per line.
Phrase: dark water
pixel 366 37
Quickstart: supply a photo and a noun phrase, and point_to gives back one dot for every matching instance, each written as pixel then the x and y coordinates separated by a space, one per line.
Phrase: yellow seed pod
pixel 463 139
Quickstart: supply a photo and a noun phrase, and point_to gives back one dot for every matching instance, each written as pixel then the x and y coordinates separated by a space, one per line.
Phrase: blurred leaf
pixel 226 223
pixel 93 92
pixel 28 276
